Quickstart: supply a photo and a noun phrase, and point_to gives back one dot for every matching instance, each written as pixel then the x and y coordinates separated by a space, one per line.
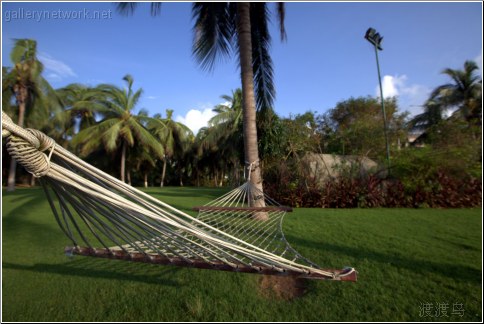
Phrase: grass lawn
pixel 413 264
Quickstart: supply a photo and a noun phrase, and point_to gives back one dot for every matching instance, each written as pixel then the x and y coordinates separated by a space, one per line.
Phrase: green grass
pixel 405 257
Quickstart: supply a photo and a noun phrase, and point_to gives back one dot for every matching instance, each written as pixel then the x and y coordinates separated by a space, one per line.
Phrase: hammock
pixel 104 217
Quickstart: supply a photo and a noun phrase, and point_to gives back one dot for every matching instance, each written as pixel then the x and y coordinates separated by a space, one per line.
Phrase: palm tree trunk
pixel 248 99
pixel 163 173
pixel 123 161
pixel 21 95
pixel 146 180
pixel 181 176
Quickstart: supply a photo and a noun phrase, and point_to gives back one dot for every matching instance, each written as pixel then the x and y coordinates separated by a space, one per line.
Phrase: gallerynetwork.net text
pixel 39 15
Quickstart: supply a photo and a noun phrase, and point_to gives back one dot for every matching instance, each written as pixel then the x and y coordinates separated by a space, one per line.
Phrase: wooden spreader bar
pixel 249 209
pixel 202 264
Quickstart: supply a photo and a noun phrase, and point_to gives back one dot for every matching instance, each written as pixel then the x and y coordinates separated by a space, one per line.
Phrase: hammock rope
pixel 93 209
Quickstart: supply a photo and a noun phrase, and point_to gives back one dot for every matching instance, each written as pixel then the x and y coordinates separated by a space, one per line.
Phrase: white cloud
pixel 391 85
pixel 410 97
pixel 57 69
pixel 196 118
pixel 151 97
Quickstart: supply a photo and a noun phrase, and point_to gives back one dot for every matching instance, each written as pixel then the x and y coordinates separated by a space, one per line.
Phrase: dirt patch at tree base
pixel 282 287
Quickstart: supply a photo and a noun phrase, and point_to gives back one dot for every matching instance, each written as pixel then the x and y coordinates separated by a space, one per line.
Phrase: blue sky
pixel 325 59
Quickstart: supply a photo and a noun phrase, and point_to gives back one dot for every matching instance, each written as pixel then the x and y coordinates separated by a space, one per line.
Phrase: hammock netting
pixel 104 217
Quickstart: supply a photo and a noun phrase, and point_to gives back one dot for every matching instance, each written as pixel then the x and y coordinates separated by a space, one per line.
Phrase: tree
pixel 175 137
pixel 242 28
pixel 119 127
pixel 356 124
pixel 464 93
pixel 302 135
pixel 82 104
pixel 224 139
pixel 433 114
pixel 463 96
pixel 33 94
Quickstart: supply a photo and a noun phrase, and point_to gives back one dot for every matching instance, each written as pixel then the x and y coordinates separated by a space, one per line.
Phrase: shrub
pixel 289 185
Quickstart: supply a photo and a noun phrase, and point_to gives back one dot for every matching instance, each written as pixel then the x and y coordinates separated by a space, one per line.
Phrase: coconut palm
pixel 242 28
pixel 224 136
pixel 120 127
pixel 432 115
pixel 175 137
pixel 464 93
pixel 33 94
pixel 82 105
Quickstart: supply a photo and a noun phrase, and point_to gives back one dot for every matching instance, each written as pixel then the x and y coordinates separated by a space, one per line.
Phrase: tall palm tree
pixel 32 93
pixel 221 28
pixel 119 127
pixel 173 136
pixel 224 138
pixel 464 93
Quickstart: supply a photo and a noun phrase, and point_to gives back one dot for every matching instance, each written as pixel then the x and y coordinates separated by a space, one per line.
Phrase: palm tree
pixel 119 127
pixel 82 105
pixel 224 138
pixel 173 136
pixel 241 28
pixel 32 93
pixel 228 114
pixel 464 93
pixel 433 114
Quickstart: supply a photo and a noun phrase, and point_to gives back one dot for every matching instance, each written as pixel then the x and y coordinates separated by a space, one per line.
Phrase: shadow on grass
pixel 187 192
pixel 105 269
pixel 34 198
pixel 456 272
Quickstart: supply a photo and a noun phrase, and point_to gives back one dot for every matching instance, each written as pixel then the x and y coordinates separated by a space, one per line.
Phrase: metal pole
pixel 383 108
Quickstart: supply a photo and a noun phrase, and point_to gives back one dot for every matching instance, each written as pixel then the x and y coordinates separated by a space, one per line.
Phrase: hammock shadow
pixel 456 272
pixel 30 200
pixel 20 221
pixel 104 269
pixel 188 192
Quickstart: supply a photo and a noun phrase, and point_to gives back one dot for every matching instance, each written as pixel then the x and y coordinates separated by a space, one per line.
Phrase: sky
pixel 325 59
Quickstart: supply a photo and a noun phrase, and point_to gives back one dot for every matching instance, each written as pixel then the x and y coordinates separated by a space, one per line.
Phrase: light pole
pixel 374 38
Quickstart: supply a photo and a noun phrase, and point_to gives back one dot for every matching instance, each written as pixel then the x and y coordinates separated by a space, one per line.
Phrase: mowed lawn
pixel 413 264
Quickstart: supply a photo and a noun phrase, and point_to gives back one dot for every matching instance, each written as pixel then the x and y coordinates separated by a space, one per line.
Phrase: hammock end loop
pixel 30 157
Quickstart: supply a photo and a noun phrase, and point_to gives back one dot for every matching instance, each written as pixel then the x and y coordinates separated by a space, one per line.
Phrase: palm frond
pixel 111 135
pixel 261 59
pixel 128 8
pixel 144 136
pixel 281 14
pixel 133 99
pixel 214 33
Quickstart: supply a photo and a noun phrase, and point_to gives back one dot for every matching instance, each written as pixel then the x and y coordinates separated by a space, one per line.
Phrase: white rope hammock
pixel 102 216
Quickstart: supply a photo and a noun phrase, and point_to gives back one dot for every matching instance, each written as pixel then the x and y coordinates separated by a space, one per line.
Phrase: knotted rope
pixel 29 156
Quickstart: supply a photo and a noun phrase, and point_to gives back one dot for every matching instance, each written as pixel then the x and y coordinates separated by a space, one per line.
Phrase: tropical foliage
pixel 463 96
pixel 103 124
pixel 23 83
pixel 224 28
pixel 120 128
